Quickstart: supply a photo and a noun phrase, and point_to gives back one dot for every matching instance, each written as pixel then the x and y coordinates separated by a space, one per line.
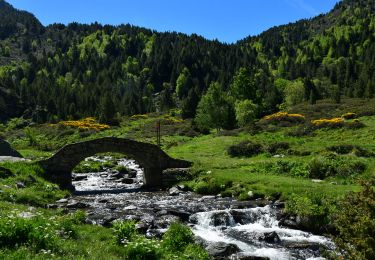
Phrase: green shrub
pixel 355 223
pixel 343 166
pixel 293 168
pixel 125 231
pixel 195 252
pixel 35 232
pixel 246 148
pixel 274 148
pixel 88 166
pixel 355 124
pixel 315 210
pixel 143 249
pixel 122 169
pixel 304 130
pixel 209 186
pixel 347 148
pixel 226 194
pixel 177 238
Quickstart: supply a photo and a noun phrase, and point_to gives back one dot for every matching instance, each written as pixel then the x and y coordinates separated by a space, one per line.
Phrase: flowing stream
pixel 219 223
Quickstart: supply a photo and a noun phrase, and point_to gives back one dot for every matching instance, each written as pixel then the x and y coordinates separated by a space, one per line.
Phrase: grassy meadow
pixel 310 168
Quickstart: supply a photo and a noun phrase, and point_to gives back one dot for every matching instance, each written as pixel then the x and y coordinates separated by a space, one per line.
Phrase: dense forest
pixel 77 70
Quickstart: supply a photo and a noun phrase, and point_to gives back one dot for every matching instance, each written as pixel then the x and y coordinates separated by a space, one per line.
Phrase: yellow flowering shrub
pixel 88 123
pixel 330 123
pixel 285 117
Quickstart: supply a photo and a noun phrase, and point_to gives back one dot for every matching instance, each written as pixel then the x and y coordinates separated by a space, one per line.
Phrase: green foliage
pixel 177 238
pixel 38 192
pixel 125 232
pixel 293 93
pixel 315 210
pixel 355 223
pixel 107 111
pixel 214 110
pixel 246 148
pixel 291 168
pixel 122 169
pixel 209 186
pixel 143 249
pixel 243 87
pixel 347 149
pixel 322 167
pixel 195 252
pixel 88 166
pixel 31 136
pixel 183 83
pixel 32 232
pixel 246 112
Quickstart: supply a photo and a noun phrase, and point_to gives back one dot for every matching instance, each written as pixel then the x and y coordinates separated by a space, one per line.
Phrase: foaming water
pixel 212 218
pixel 249 234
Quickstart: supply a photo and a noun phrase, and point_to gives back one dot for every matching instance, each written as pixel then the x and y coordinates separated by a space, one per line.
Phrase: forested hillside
pixel 60 72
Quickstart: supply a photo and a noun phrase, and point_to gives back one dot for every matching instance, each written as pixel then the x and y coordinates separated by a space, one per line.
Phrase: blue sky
pixel 225 20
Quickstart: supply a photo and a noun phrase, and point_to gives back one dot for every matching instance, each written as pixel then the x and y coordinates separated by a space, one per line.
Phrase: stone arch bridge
pixel 59 167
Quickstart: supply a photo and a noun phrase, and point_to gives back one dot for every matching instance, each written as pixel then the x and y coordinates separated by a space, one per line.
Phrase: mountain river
pixel 229 229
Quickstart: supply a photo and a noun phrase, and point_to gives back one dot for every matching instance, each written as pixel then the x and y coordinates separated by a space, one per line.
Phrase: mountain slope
pixel 69 71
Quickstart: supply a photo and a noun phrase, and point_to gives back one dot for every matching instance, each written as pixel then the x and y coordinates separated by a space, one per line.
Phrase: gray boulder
pixel 7 150
pixel 220 250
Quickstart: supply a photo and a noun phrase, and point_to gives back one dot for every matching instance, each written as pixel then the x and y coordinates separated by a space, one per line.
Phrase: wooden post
pixel 158 133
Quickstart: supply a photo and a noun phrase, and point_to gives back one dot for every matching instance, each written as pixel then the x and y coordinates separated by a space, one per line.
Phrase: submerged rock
pixel 272 237
pixel 174 191
pixel 127 181
pixel 77 205
pixel 79 177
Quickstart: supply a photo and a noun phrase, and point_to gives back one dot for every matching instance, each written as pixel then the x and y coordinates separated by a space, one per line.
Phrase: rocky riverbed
pixel 227 228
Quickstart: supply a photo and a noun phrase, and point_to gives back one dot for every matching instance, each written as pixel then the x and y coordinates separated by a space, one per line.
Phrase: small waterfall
pixel 256 232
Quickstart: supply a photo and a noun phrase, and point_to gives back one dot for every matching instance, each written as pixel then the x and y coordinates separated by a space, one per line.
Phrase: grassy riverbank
pixel 292 158
pixel 311 168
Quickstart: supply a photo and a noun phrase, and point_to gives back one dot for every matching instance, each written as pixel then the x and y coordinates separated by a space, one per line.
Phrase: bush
pixel 122 169
pixel 277 147
pixel 355 223
pixel 84 167
pixel 246 148
pixel 125 231
pixel 314 210
pixel 355 124
pixel 195 252
pixel 177 238
pixel 283 118
pixel 36 233
pixel 323 167
pixel 347 148
pixel 208 187
pixel 143 249
pixel 328 123
pixel 305 130
pixel 296 169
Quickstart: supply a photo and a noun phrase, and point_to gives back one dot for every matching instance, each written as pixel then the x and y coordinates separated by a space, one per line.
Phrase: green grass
pixel 209 155
pixel 214 172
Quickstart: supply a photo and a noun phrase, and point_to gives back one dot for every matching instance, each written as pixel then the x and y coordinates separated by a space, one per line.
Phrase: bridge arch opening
pixel 107 172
